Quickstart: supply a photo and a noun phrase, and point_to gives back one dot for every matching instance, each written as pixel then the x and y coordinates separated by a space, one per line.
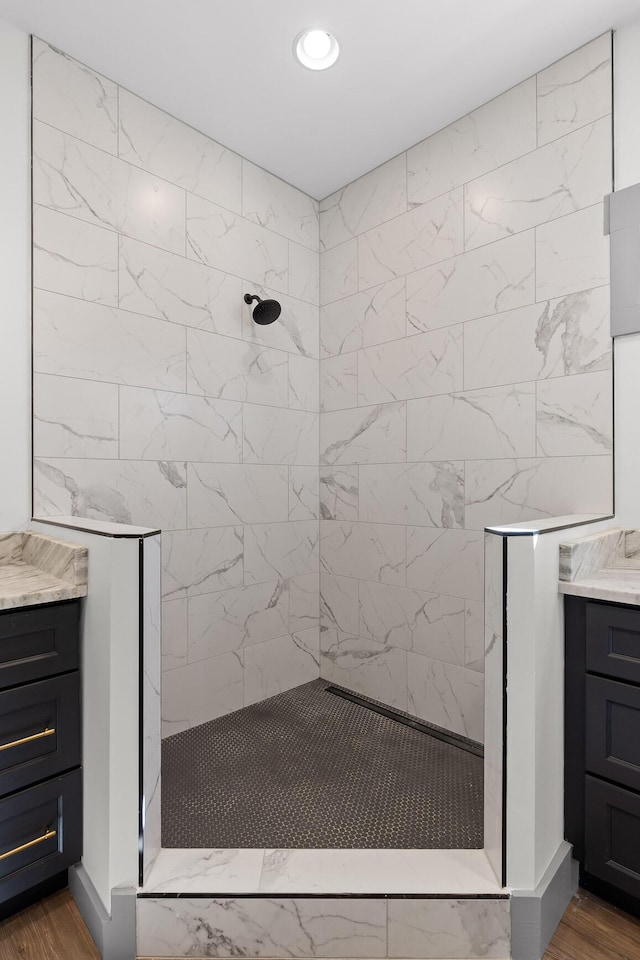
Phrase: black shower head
pixel 265 311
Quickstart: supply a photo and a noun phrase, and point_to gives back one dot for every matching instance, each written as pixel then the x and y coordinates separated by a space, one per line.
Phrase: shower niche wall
pixel 441 363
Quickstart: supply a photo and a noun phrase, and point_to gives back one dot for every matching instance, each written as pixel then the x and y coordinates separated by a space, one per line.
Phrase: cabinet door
pixel 612 835
pixel 39 731
pixel 613 641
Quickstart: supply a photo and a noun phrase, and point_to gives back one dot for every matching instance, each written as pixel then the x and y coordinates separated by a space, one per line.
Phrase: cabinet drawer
pixel 40 833
pixel 39 731
pixel 613 641
pixel 38 642
pixel 613 731
pixel 612 835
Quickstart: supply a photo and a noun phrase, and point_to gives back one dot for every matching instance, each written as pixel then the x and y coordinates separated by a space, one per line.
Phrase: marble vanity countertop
pixel 39 569
pixel 603 566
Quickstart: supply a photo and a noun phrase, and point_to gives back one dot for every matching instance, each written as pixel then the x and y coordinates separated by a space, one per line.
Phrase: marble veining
pixel 603 566
pixel 262 927
pixel 35 568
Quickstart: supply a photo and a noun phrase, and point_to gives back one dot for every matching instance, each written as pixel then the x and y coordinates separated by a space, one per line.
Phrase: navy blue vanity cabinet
pixel 602 746
pixel 40 773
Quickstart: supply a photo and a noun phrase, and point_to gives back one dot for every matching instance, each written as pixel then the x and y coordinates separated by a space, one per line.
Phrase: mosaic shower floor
pixel 311 769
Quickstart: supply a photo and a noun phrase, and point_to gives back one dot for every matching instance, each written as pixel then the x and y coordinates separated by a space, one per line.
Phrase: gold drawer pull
pixel 25 846
pixel 47 732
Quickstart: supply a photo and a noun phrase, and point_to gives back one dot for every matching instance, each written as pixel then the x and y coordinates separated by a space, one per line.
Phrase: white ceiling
pixel 407 67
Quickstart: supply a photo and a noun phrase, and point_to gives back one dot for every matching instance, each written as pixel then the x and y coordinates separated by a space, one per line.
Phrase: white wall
pixel 15 279
pixel 626 91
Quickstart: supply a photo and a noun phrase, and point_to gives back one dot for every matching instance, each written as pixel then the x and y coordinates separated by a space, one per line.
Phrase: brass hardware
pixel 47 732
pixel 25 846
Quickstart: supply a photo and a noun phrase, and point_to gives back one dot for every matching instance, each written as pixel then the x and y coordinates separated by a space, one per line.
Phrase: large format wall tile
pixel 419 366
pixel 75 178
pixel 427 624
pixel 73 338
pixel 474 635
pixel 272 203
pixel 168 286
pixel 367 551
pixel 291 436
pixel 575 91
pixel 496 277
pixel 499 131
pixel 510 491
pixel 156 141
pixel 151 494
pixel 74 257
pixel 564 176
pixel 365 203
pixel 304 493
pixel 339 603
pixel 338 272
pixel 363 319
pixel 229 242
pixel 549 339
pixel 280 550
pixel 365 435
pixel 494 422
pixel 449 928
pixel 445 694
pixel 339 493
pixel 201 691
pixel 223 493
pixel 375 670
pixel 260 927
pixel 416 239
pixel 304 273
pixel 339 382
pixel 445 561
pixel 304 383
pixel 572 253
pixel 201 561
pixel 429 494
pixel 69 96
pixel 304 602
pixel 575 416
pixel 280 664
pixel 235 370
pixel 157 425
pixel 74 418
pixel 239 617
pixel 174 634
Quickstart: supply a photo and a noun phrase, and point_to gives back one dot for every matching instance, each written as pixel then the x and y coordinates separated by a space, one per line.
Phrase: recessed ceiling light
pixel 316 49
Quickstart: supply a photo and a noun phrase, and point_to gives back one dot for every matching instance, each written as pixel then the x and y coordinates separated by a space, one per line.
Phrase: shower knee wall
pixel 441 363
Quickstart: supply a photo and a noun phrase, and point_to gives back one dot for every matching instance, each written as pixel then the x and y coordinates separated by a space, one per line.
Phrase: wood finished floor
pixel 54 930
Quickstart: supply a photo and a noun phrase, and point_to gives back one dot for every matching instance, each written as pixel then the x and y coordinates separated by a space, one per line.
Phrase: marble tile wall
pixel 442 363
pixel 465 377
pixel 157 400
